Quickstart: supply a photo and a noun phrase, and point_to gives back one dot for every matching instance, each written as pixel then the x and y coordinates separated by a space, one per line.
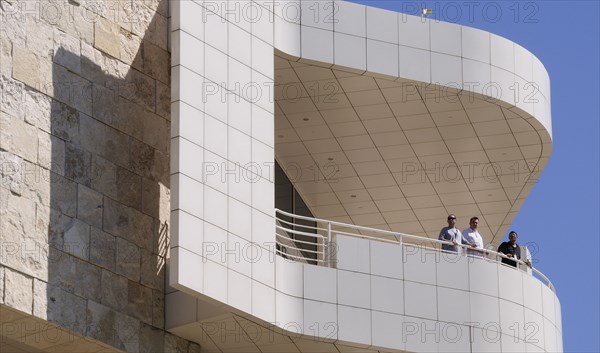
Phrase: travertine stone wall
pixel 84 155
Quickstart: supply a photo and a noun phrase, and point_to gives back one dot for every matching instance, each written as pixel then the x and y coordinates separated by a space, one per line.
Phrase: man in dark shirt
pixel 511 249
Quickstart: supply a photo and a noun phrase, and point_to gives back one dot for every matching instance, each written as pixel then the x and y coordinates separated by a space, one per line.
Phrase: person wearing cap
pixel 511 249
pixel 472 238
pixel 451 234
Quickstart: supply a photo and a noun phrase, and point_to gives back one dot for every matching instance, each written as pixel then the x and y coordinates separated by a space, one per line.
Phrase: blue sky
pixel 561 213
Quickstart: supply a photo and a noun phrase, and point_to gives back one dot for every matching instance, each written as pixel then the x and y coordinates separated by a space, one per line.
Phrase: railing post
pixel 329 245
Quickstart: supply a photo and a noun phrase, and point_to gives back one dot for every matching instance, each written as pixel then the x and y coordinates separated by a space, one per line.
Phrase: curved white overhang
pixel 402 120
pixel 406 92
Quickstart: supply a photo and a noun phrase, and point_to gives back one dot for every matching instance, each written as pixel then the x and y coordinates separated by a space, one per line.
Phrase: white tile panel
pixel 382 58
pixel 216 212
pixel 189 268
pixel 483 276
pixel 188 158
pixel 532 294
pixel 263 198
pixel 475 44
pixel 352 254
pixel 239 148
pixel 240 80
pixel 486 340
pixel 263 123
pixel 240 115
pixel 510 344
pixel 185 16
pixel 485 311
pixel 502 53
pixel 263 267
pixel 452 271
pixel 242 50
pixel 533 328
pixel 263 301
pixel 215 281
pixel 548 304
pixel 188 123
pixel 240 254
pixel 523 63
pixel 289 277
pixel 318 14
pixel 386 259
pixel 413 31
pixel 215 244
pixel 512 319
pixel 354 325
pixel 382 25
pixel 420 300
pixel 350 51
pixel 350 18
pixel 216 31
pixel 289 311
pixel 510 284
pixel 446 70
pixel 385 330
pixel 476 76
pixel 287 36
pixel 239 291
pixel 445 38
pixel 262 25
pixel 190 53
pixel 188 231
pixel 320 283
pixel 415 64
pixel 420 335
pixel 453 305
pixel 215 68
pixel 215 104
pixel 240 189
pixel 454 338
pixel 317 44
pixel 262 57
pixel 320 319
pixel 263 159
pixel 354 289
pixel 263 228
pixel 186 85
pixel 420 264
pixel 550 341
pixel 387 294
pixel 192 201
pixel 240 217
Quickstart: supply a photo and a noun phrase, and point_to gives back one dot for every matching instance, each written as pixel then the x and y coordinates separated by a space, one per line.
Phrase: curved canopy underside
pixel 401 155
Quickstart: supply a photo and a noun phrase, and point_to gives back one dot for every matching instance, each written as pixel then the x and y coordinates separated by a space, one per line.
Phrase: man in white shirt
pixel 471 237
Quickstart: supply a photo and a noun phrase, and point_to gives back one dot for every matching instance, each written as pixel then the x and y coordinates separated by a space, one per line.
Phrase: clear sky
pixel 561 214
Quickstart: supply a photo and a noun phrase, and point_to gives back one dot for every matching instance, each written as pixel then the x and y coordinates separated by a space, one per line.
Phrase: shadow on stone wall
pixel 109 206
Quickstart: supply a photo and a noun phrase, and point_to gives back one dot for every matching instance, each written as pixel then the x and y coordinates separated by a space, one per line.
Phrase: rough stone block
pixel 114 290
pixel 152 340
pixel 13 97
pixel 51 152
pixel 10 171
pixel 74 275
pixel 52 223
pixel 150 197
pixel 37 108
pixel 129 188
pixel 157 62
pixel 1 284
pixel 20 295
pixel 65 121
pixel 163 100
pixel 39 38
pixel 103 249
pixel 103 140
pixel 153 270
pixel 138 299
pixel 31 69
pixel 77 239
pixel 104 176
pixel 111 327
pixel 128 259
pixel 18 137
pixel 127 223
pixel 158 308
pixel 67 51
pixel 78 163
pixel 175 344
pixel 59 307
pixel 70 88
pixel 130 50
pixel 5 56
pixel 106 36
pixel 89 206
pixel 139 88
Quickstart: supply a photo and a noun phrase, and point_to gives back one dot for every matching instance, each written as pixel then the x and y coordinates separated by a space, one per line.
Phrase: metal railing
pixel 314 244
